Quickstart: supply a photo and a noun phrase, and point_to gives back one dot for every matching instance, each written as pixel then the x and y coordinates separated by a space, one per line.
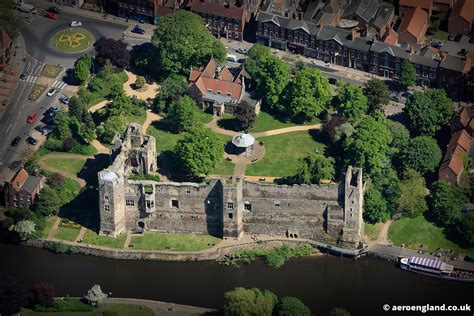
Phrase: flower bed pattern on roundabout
pixel 72 40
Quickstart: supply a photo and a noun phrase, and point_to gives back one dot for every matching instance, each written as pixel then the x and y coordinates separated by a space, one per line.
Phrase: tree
pixel 69 144
pixel 336 311
pixel 369 145
pixel 82 68
pixel 375 207
pixel 446 203
pixel 25 229
pixel 422 153
pixel 245 115
pixel 183 114
pixel 465 229
pixel 113 125
pixel 407 75
pixel 49 202
pixel 87 130
pixel 114 50
pixel 387 182
pixel 140 82
pixel 249 302
pixel 377 94
pixel 13 295
pixel 63 129
pixel 43 294
pixel 173 87
pixel 400 135
pixel 290 306
pixel 412 200
pixel 76 107
pixel 352 103
pixel 56 180
pixel 334 122
pixel 182 41
pixel 343 131
pixel 199 151
pixel 94 296
pixel 257 53
pixel 428 111
pixel 307 95
pixel 317 166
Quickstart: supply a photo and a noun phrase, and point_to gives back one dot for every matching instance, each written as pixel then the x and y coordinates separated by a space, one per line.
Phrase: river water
pixel 321 282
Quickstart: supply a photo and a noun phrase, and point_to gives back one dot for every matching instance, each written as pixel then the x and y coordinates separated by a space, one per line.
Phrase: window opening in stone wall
pixel 277 203
pixel 188 191
pixel 106 197
pixel 247 206
pixel 129 202
pixel 174 203
pixel 230 205
pixel 107 208
pixel 231 215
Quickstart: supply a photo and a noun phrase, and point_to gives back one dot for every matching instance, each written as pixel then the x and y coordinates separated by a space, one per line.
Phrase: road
pixel 37 36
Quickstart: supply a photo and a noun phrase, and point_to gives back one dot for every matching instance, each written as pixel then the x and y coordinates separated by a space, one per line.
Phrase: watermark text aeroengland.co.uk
pixel 427 308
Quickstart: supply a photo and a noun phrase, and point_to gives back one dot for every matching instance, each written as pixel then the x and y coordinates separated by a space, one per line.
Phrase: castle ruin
pixel 329 213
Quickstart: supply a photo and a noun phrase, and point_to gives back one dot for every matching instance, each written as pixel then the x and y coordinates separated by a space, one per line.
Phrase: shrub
pixel 56 247
pixel 72 305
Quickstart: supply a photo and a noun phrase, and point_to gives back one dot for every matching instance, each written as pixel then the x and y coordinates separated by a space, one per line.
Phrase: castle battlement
pixel 328 212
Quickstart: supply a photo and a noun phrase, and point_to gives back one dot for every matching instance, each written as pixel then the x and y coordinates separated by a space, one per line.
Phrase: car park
pixel 30 140
pixel 51 15
pixel 51 92
pixel 48 120
pixel 44 129
pixel 54 10
pixel 75 23
pixel 15 141
pixel 64 99
pixel 32 118
pixel 52 109
pixel 138 30
pixel 242 51
pixel 39 128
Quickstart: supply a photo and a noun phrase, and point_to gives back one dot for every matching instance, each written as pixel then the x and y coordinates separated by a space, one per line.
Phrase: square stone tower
pixel 111 203
pixel 232 210
pixel 353 207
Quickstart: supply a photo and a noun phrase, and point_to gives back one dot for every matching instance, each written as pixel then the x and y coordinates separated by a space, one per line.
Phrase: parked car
pixel 39 128
pixel 48 120
pixel 32 118
pixel 44 129
pixel 51 92
pixel 138 30
pixel 332 80
pixel 64 99
pixel 54 10
pixel 51 15
pixel 75 23
pixel 15 141
pixel 52 109
pixel 23 76
pixel 242 51
pixel 242 60
pixel 30 140
pixel 451 37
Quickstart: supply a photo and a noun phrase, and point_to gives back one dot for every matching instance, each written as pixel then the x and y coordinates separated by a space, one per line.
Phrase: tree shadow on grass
pixel 229 123
pixel 83 209
pixel 169 166
pixel 89 172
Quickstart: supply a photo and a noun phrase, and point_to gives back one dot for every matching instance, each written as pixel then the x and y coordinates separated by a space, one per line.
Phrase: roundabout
pixel 72 40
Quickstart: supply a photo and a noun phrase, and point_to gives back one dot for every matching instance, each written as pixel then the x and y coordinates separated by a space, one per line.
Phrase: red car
pixel 31 118
pixel 51 15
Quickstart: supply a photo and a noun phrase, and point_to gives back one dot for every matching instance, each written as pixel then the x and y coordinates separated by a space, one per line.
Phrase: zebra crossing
pixel 30 79
pixel 58 84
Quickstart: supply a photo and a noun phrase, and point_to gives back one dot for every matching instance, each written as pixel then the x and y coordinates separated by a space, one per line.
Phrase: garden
pixel 51 71
pixel 92 238
pixel 36 92
pixel 173 242
pixel 67 230
pixel 72 40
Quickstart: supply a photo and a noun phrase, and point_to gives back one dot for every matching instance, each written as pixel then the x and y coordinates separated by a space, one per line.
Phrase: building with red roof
pixel 413 26
pixel 23 189
pixel 460 19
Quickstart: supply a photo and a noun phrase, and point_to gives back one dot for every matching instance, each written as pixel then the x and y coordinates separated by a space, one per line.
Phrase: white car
pixel 75 23
pixel 51 92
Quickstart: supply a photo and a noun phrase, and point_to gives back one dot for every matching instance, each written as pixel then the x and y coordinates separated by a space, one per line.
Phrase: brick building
pixel 23 189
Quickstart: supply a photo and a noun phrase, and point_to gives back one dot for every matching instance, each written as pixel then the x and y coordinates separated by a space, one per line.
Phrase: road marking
pixel 58 84
pixel 9 126
pixel 30 79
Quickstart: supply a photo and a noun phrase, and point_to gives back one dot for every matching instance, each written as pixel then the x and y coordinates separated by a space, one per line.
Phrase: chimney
pixel 217 74
pixel 354 33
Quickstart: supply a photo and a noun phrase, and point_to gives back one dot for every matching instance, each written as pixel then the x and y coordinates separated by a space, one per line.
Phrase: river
pixel 321 282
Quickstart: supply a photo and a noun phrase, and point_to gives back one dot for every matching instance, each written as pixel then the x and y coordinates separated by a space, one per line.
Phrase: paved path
pixel 98 106
pixel 55 227
pixel 150 118
pixel 213 125
pixel 82 232
pixel 161 308
pixel 101 149
pixel 383 233
pixel 42 163
pixel 128 239
pixel 239 170
pixel 149 91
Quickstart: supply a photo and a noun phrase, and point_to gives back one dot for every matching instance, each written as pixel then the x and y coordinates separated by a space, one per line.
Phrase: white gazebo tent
pixel 243 144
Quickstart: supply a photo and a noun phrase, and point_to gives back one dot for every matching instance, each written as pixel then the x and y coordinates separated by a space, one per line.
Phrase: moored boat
pixel 435 267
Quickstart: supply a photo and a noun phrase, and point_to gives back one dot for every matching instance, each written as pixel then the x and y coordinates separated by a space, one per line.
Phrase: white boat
pixel 435 267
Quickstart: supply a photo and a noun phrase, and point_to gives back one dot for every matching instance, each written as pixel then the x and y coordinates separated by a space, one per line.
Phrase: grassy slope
pixel 68 165
pixel 173 242
pixel 92 238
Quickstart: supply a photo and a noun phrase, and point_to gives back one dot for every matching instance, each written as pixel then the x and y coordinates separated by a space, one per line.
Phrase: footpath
pixel 162 308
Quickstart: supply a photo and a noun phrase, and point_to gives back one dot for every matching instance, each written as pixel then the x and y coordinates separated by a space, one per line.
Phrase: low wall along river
pixel 361 286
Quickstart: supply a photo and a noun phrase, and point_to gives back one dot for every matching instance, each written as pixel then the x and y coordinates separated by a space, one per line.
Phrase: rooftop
pixel 414 22
pixel 243 140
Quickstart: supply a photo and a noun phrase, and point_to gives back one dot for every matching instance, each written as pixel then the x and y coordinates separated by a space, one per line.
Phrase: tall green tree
pixel 291 306
pixel 407 74
pixel 49 202
pixel 13 294
pixel 446 203
pixel 387 182
pixel 199 151
pixel 173 87
pixel 465 229
pixel 369 145
pixel 412 200
pixel 315 167
pixel 112 125
pixel 375 207
pixel 377 94
pixel 183 114
pixel 245 115
pixel 257 53
pixel 400 135
pixel 182 41
pixel 249 302
pixel 428 111
pixel 352 103
pixel 307 95
pixel 82 68
pixel 422 153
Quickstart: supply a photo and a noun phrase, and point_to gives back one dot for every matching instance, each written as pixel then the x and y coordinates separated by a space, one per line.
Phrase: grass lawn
pixel 224 167
pixel 416 231
pixel 372 231
pixel 165 139
pixel 68 165
pixel 139 119
pixel 282 154
pixel 67 233
pixel 51 71
pixel 173 242
pixel 120 309
pixel 72 40
pixel 441 35
pixel 49 224
pixel 203 117
pixel 266 122
pixel 36 92
pixel 90 237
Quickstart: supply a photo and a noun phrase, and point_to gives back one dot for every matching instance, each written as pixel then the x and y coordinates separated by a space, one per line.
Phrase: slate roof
pixel 365 9
pixel 31 183
pixel 429 61
pixel 393 50
pixel 383 15
pixel 333 33
pixel 453 63
pixel 217 9
pixel 360 43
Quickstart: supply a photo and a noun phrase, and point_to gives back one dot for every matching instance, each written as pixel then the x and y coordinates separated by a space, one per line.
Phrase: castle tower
pixel 150 155
pixel 353 207
pixel 135 134
pixel 111 203
pixel 232 209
